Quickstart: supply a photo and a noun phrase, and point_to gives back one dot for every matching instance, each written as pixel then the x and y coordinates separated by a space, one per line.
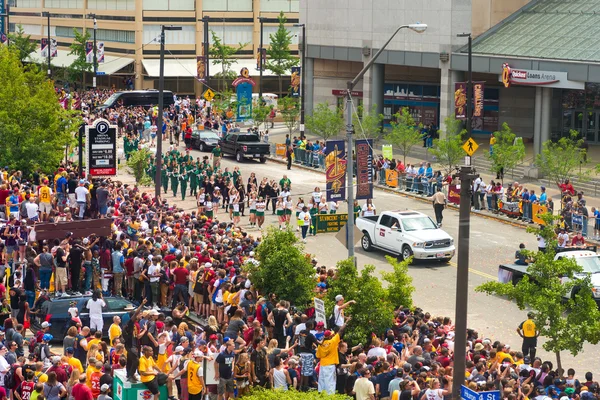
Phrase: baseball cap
pixel 327 333
pixel 46 324
pixel 47 337
pixel 104 388
pixel 178 349
pixel 70 350
pixel 198 353
pixel 202 343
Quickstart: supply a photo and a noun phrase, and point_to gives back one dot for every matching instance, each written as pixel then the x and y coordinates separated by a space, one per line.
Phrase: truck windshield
pixel 112 99
pixel 418 224
pixel 591 265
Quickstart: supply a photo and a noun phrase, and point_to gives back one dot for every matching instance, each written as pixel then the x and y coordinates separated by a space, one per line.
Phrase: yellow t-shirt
pixel 75 363
pixel 45 196
pixel 330 347
pixel 146 365
pixel 113 332
pixel 88 375
pixel 42 377
pixel 92 342
pixel 528 327
pixel 500 356
pixel 194 382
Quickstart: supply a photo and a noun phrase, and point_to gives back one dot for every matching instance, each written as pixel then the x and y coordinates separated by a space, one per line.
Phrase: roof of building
pixel 550 29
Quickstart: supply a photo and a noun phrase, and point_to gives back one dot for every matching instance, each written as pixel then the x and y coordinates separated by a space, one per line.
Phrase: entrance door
pixel 592 126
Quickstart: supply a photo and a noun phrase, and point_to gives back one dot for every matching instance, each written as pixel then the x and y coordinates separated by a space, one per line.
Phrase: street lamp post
pixel 302 87
pixel 469 83
pixel 161 101
pixel 95 49
pixel 419 28
pixel 260 52
pixel 206 45
pixel 49 48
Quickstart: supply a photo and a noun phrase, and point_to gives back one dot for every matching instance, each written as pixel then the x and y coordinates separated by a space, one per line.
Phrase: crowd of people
pixel 183 262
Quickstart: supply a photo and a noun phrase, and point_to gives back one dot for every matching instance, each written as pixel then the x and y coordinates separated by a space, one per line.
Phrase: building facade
pixel 130 30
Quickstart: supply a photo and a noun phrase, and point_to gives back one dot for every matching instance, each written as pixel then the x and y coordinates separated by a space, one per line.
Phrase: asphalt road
pixel 492 243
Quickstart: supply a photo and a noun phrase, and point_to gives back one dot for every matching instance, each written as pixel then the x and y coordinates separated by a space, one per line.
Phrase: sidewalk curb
pixel 505 220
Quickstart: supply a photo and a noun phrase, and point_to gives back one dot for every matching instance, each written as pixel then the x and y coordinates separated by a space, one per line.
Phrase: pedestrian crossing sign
pixel 209 95
pixel 470 146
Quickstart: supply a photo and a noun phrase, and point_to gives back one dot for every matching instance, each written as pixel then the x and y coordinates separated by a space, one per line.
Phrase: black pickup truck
pixel 245 145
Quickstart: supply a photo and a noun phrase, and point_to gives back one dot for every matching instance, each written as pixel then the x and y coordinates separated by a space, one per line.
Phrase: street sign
pixel 101 149
pixel 209 95
pixel 100 73
pixel 342 235
pixel 468 394
pixel 330 222
pixel 470 146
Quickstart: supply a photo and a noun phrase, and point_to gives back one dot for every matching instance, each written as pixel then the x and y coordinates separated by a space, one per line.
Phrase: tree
pixel 260 112
pixel 369 120
pixel 507 152
pixel 400 288
pixel 138 163
pixel 22 43
pixel 448 150
pixel 224 103
pixel 223 54
pixel 34 128
pixel 284 269
pixel 563 159
pixel 280 57
pixel 325 122
pixel 289 107
pixel 259 393
pixel 80 66
pixel 372 312
pixel 405 134
pixel 566 324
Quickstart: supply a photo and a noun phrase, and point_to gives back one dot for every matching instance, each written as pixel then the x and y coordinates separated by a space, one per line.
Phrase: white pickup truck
pixel 586 257
pixel 407 233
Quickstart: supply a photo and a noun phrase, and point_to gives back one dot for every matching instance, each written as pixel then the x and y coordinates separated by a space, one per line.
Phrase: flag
pixel 44 47
pixel 364 169
pixel 89 52
pixel 53 48
pixel 100 52
pixel 295 80
pixel 335 169
pixel 200 68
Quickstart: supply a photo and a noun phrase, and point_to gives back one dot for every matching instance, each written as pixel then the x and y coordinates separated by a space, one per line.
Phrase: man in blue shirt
pixel 61 190
pixel 543 196
pixel 526 205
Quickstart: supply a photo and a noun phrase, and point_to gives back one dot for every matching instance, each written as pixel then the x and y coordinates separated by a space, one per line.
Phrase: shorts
pixel 103 210
pixel 198 298
pixel 45 207
pixel 252 211
pixel 280 212
pixel 288 212
pixel 225 385
pixel 152 386
pixel 597 225
pixel 308 364
pixel 260 213
pixel 218 304
pixel 60 275
pixel 11 249
pixel 72 200
pixel 209 214
pixel 236 213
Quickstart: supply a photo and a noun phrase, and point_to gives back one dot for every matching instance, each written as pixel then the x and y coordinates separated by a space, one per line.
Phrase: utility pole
pixel 469 82
pixel 47 15
pixel 302 84
pixel 261 66
pixel 95 50
pixel 206 45
pixel 161 104
pixel 466 174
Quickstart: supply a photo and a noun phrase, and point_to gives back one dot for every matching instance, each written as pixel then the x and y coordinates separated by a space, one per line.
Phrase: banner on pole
pixel 200 68
pixel 3 38
pixel 335 169
pixel 387 151
pixel 478 88
pixel 295 81
pixel 454 194
pixel 100 52
pixel 89 52
pixel 460 100
pixel 364 169
pixel 53 48
pixel 44 47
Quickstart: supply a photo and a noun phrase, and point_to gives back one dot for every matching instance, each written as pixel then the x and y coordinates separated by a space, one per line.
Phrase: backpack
pixel 32 344
pixel 10 379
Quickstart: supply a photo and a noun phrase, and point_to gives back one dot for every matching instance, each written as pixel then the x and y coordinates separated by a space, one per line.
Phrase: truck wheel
pixel 366 243
pixel 263 160
pixel 406 252
pixel 239 157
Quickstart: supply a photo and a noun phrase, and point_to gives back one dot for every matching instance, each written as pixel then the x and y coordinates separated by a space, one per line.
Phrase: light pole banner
pixel 460 100
pixel 200 68
pixel 44 47
pixel 100 52
pixel 89 52
pixel 364 169
pixel 295 81
pixel 335 169
pixel 2 10
pixel 478 88
pixel 3 38
pixel 53 48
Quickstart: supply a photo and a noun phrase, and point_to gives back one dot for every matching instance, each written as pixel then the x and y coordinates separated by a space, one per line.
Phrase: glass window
pixel 26 3
pixel 116 304
pixel 279 5
pixel 269 30
pixel 227 5
pixel 185 36
pixel 108 35
pixel 64 4
pixel 162 5
pixel 385 220
pixel 418 224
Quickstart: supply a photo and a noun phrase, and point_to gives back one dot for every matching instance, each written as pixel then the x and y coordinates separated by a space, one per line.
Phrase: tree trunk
pixel 559 368
pixel 280 86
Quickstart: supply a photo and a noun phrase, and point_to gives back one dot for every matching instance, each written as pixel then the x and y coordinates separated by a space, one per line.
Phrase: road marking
pixel 485 275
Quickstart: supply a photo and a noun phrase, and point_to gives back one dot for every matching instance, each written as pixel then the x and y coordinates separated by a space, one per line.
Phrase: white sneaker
pixel 77 294
pixel 88 293
pixel 303 240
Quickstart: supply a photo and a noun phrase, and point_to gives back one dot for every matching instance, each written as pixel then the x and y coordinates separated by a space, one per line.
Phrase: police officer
pixel 528 331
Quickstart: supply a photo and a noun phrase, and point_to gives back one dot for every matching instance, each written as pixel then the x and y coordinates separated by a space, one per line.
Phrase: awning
pixel 186 68
pixel 110 65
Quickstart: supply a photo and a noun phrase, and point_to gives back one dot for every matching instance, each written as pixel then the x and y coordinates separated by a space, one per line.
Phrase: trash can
pixel 125 390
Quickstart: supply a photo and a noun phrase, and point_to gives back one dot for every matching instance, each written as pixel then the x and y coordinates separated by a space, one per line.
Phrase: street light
pixel 161 101
pixel 469 83
pixel 419 28
pixel 303 26
pixel 49 49
pixel 206 60
pixel 95 55
pixel 260 52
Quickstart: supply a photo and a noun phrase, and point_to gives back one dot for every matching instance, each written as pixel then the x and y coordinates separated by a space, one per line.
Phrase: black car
pixel 57 308
pixel 204 140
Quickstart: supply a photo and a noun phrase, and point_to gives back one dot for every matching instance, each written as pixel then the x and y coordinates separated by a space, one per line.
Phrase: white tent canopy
pixel 110 65
pixel 186 68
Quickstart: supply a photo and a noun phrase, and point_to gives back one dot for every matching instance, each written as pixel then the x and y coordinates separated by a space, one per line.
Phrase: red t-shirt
pixel 577 241
pixel 82 392
pixel 170 257
pixel 129 266
pixel 181 275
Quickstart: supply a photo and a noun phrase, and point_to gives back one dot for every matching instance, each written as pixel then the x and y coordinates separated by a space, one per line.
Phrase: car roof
pixel 408 213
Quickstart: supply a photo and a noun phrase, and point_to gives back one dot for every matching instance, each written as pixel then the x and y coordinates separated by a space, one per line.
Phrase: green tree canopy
pixel 280 57
pixel 223 54
pixel 80 66
pixel 448 150
pixel 258 393
pixel 508 151
pixel 284 268
pixel 34 128
pixel 405 133
pixel 289 107
pixel 325 122
pixel 369 120
pixel 566 324
pixel 260 112
pixel 138 164
pixel 563 159
pixel 22 43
